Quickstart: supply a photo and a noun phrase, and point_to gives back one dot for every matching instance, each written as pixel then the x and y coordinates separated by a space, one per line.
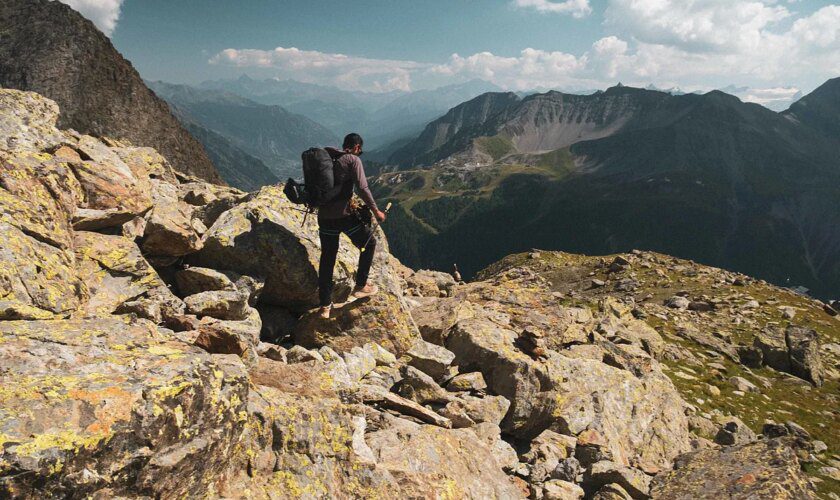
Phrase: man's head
pixel 353 144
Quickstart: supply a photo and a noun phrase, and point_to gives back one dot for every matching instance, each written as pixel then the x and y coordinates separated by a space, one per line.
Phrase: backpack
pixel 320 182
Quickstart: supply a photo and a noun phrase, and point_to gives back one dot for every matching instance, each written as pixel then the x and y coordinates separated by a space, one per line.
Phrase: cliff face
pixel 49 48
pixel 157 340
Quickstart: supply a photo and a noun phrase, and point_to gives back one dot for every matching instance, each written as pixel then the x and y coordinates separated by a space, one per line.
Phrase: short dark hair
pixel 352 140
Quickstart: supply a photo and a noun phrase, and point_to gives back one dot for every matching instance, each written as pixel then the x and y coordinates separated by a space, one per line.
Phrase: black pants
pixel 329 231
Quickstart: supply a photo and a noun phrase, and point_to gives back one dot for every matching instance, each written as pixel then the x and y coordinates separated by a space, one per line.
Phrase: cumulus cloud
pixel 103 13
pixel 692 44
pixel 577 8
pixel 354 73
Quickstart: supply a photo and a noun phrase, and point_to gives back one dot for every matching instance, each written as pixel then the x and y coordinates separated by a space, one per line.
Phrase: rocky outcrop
pixel 177 354
pixel 51 49
pixel 766 469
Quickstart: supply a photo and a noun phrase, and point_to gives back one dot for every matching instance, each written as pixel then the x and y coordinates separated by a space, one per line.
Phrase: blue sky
pixel 768 45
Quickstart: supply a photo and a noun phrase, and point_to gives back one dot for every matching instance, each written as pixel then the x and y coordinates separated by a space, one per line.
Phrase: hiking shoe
pixel 365 291
pixel 324 312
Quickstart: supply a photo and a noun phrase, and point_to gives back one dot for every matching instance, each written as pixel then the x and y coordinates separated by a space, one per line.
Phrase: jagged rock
pixel 430 283
pixel 228 337
pixel 734 432
pixel 422 388
pixel 380 319
pixel 222 304
pixel 555 489
pixel 27 121
pixel 473 382
pixel 567 470
pixel 382 356
pixel 572 395
pixel 169 228
pixel 272 351
pixel 504 453
pixel 804 351
pixel 82 387
pixel 635 482
pixel 298 354
pixel 431 359
pixel 774 350
pixel 265 237
pixel 435 316
pixel 194 280
pixel 359 362
pixel 430 462
pixel 108 183
pixel 88 219
pixel 115 272
pixel 389 400
pixel 764 469
pixel 487 409
pixel 611 491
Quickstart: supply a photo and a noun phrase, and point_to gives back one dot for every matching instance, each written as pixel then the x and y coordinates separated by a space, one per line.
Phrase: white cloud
pixel 691 44
pixel 349 72
pixel 103 13
pixel 577 8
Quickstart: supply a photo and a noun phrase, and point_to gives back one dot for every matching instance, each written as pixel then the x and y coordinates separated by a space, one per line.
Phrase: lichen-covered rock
pixel 430 462
pixel 222 304
pixel 764 469
pixel 115 272
pixel 106 406
pixel 194 280
pixel 27 121
pixel 381 319
pixel 169 225
pixel 266 237
pixel 641 417
pixel 108 183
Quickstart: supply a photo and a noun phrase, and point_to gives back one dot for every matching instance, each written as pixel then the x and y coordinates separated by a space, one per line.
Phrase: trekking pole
pixel 373 229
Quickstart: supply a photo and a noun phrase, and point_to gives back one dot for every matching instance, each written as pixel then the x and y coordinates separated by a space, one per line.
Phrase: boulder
pixel 107 182
pixel 467 382
pixel 221 304
pixel 434 360
pixel 169 225
pixel 572 395
pixel 804 352
pixel 266 237
pixel 92 399
pixel 436 316
pixel 194 280
pixel 764 469
pixel 380 319
pixel 734 432
pixel 115 272
pixel 419 387
pixel 27 121
pixel 556 489
pixel 771 341
pixel 472 410
pixel 633 481
pixel 431 462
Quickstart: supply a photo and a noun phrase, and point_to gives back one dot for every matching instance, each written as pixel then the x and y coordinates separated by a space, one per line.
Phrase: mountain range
pixel 381 118
pixel 267 132
pixel 705 177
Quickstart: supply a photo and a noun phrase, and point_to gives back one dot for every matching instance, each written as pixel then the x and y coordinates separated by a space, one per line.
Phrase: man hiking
pixel 337 216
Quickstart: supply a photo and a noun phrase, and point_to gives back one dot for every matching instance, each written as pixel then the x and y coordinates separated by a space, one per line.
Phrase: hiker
pixel 338 216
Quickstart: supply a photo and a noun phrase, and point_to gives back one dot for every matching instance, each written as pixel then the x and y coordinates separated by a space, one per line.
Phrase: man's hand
pixel 380 215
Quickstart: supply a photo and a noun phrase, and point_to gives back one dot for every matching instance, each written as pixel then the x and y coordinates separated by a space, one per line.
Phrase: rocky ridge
pixel 51 49
pixel 156 340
